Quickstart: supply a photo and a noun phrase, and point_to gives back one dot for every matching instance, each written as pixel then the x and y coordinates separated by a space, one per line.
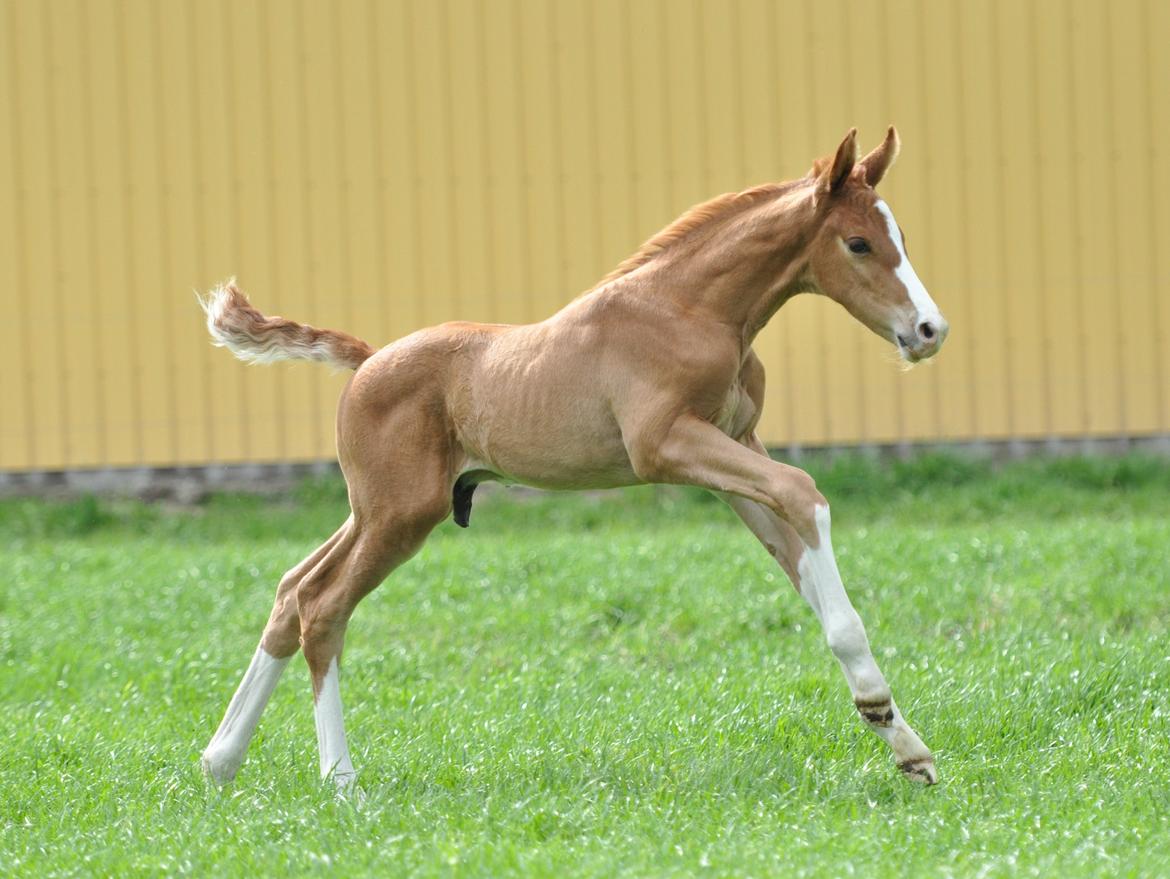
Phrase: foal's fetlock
pixel 876 711
pixel 874 701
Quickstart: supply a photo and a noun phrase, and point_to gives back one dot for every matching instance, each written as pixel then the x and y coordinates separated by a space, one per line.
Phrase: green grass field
pixel 604 686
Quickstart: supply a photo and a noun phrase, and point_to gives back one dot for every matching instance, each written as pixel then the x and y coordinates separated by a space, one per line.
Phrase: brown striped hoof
pixel 876 712
pixel 921 771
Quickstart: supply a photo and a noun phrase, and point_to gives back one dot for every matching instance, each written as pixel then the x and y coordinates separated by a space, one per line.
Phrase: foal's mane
pixel 692 219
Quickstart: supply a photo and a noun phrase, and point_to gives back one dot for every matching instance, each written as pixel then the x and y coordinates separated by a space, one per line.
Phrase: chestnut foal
pixel 647 378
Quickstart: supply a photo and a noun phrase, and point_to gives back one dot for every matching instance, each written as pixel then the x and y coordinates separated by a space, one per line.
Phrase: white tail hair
pixel 254 338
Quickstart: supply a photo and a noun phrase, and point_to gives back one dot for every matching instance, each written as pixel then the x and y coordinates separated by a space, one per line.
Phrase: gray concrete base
pixel 993 450
pixel 189 485
pixel 184 485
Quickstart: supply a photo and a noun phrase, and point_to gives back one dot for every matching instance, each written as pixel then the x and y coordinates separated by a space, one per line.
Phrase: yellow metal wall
pixel 380 166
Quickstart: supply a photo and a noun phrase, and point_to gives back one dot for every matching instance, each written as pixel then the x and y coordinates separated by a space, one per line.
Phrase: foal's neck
pixel 738 269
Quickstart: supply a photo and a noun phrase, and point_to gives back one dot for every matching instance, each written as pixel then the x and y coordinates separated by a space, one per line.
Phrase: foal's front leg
pixel 814 574
pixel 782 507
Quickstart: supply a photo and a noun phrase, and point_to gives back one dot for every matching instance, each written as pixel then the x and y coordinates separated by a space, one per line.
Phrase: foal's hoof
pixel 347 789
pixel 921 770
pixel 218 768
pixel 354 795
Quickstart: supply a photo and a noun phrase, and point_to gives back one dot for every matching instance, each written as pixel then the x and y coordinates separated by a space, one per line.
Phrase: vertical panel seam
pixel 55 237
pixel 963 160
pixel 635 227
pixel 1153 220
pixel 132 314
pixel 701 100
pixel 200 217
pixel 561 231
pixel 268 128
pixel 594 132
pixel 418 270
pixel 526 269
pixel 667 117
pixel 491 189
pixel 345 183
pixel 446 89
pixel 306 187
pixel 1010 378
pixel 91 201
pixel 378 172
pixel 22 270
pixel 1114 244
pixel 740 95
pixel 1078 238
pixel 162 168
pixel 231 105
pixel 1038 244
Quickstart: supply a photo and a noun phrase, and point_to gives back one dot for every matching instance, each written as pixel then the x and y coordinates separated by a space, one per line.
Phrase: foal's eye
pixel 858 245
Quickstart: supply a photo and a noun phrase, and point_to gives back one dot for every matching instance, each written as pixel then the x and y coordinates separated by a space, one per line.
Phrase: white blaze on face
pixel 927 310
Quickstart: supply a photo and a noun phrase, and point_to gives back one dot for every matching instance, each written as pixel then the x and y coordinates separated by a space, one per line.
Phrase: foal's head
pixel 858 256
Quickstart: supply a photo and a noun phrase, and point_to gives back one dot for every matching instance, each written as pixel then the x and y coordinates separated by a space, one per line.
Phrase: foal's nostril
pixel 927 331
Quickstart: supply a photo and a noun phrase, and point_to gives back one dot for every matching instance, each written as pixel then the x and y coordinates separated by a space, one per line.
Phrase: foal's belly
pixel 566 440
pixel 542 421
pixel 548 445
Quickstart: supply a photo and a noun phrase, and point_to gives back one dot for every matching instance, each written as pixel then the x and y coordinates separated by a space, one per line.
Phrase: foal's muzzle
pixel 925 339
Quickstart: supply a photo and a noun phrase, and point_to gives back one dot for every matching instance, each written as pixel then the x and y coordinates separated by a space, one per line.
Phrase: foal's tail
pixel 234 324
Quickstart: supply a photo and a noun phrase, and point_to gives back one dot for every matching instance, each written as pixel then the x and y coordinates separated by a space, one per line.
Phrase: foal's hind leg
pixel 225 751
pixel 372 546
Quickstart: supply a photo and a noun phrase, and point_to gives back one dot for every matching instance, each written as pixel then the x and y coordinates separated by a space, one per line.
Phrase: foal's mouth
pixel 904 349
pixel 914 350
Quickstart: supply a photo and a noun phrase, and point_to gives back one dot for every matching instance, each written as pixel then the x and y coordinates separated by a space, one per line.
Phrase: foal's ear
pixel 831 177
pixel 877 163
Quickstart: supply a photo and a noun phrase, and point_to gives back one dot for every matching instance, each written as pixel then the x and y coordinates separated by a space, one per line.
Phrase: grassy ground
pixel 621 685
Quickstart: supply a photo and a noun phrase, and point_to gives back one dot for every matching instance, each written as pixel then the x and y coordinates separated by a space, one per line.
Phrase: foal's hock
pixel 647 377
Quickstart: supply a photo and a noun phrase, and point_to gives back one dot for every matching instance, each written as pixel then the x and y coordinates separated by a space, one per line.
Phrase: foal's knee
pixel 846 637
pixel 796 499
